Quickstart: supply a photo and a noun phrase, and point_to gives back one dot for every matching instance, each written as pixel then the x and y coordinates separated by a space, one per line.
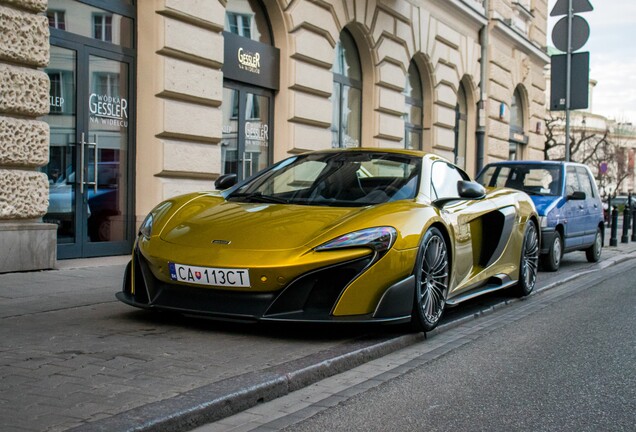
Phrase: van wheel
pixel 552 260
pixel 593 253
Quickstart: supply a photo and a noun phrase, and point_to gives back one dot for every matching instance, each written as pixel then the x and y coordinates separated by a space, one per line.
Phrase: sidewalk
pixel 72 357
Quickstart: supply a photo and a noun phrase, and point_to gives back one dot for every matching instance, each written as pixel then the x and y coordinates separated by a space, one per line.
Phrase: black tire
pixel 432 276
pixel 552 260
pixel 593 253
pixel 529 262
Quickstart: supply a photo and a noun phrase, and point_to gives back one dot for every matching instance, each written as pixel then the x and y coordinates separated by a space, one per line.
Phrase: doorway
pixel 90 167
pixel 246 144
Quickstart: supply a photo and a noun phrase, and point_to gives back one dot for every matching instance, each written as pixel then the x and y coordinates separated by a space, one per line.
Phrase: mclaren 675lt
pixel 356 235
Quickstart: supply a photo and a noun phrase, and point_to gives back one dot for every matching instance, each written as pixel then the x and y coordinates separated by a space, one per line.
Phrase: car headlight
pixel 543 221
pixel 379 239
pixel 146 226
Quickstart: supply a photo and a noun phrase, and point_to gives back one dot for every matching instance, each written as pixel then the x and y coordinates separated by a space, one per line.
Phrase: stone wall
pixel 26 242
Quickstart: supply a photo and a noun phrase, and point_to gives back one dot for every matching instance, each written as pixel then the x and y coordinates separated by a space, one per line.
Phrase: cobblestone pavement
pixel 71 356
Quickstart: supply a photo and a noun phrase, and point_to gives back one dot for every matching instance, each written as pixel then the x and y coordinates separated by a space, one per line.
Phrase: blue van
pixel 567 200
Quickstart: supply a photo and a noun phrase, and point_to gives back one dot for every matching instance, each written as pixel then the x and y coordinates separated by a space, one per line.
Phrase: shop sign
pixel 256 131
pixel 251 62
pixel 56 102
pixel 108 110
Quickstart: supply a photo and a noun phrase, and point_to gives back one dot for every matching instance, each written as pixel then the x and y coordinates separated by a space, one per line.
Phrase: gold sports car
pixel 364 235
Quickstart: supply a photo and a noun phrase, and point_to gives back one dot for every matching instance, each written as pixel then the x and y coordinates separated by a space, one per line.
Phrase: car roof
pixel 537 163
pixel 407 152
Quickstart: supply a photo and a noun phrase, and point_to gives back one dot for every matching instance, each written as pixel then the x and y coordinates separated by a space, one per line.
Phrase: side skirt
pixel 495 283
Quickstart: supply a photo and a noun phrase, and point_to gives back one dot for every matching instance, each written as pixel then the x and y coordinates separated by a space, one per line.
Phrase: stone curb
pixel 218 400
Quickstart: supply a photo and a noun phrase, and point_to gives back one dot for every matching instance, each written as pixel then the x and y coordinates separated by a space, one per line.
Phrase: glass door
pixel 247 130
pixel 106 149
pixel 63 208
pixel 89 168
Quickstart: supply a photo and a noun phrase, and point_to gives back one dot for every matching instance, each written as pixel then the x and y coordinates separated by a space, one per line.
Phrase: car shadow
pixel 300 331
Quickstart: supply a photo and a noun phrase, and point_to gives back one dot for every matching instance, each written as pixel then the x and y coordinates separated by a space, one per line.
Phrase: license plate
pixel 209 275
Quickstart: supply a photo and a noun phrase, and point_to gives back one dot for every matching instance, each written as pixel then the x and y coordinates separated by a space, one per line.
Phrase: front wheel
pixel 593 253
pixel 552 260
pixel 529 263
pixel 432 277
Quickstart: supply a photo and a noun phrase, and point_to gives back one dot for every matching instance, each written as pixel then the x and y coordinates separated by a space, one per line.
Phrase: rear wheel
pixel 552 260
pixel 529 264
pixel 432 279
pixel 593 253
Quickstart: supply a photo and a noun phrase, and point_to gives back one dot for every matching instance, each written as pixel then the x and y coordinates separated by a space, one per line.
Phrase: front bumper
pixel 310 298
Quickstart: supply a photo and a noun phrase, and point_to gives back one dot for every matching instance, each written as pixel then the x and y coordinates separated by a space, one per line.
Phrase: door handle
pixel 82 164
pixel 96 173
pixel 247 159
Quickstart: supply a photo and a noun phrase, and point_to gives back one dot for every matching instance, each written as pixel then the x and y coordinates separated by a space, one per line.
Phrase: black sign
pixel 580 33
pixel 578 6
pixel 251 62
pixel 579 86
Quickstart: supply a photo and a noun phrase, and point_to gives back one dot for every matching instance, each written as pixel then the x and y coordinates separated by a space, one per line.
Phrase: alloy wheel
pixel 433 279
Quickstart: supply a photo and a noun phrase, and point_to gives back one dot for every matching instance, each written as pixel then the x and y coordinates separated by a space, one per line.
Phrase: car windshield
pixel 334 179
pixel 533 179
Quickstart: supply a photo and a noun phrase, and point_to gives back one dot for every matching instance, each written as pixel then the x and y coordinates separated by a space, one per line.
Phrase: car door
pixel 460 215
pixel 593 212
pixel 574 211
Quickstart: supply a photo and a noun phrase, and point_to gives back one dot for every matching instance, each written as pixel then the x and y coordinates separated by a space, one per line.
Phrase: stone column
pixel 26 243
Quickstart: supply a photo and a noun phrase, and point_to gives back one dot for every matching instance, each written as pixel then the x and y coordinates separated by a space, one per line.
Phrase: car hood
pixel 252 226
pixel 545 203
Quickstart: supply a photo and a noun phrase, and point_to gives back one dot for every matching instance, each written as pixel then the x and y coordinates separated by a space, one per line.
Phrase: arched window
pixel 247 19
pixel 517 126
pixel 414 112
pixel 461 129
pixel 347 94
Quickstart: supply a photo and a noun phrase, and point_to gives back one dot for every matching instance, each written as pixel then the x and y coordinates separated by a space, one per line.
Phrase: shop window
pixel 62 92
pixel 103 27
pixel 106 84
pixel 347 94
pixel 101 24
pixel 414 112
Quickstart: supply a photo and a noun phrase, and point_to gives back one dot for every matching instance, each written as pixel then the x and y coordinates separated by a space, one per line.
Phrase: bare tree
pixel 597 149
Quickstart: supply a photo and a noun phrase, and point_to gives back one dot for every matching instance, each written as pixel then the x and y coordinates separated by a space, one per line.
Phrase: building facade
pixel 149 99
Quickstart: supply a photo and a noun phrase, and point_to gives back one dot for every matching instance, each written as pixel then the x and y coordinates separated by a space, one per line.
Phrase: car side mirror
pixel 577 196
pixel 470 190
pixel 225 181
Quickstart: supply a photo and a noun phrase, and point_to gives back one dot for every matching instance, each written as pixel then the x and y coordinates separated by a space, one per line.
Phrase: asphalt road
pixel 560 361
pixel 570 367
pixel 72 356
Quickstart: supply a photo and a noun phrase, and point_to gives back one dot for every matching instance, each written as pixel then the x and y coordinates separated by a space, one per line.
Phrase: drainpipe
pixel 483 90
